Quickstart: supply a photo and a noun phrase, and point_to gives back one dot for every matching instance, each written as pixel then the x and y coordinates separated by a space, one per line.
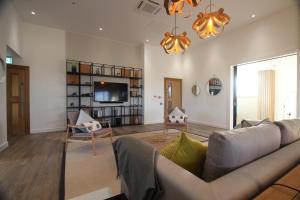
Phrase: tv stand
pixel 80 78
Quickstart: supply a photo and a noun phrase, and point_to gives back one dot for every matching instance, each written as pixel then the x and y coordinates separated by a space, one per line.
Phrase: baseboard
pixel 3 146
pixel 208 124
pixel 47 130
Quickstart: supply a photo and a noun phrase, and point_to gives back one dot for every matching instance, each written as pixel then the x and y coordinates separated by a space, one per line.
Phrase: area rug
pixel 196 129
pixel 86 173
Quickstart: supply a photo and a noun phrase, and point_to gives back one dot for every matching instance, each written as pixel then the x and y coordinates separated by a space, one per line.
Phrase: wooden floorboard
pixel 31 167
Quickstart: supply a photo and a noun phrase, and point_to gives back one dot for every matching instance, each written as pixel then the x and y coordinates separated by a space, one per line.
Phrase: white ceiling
pixel 120 20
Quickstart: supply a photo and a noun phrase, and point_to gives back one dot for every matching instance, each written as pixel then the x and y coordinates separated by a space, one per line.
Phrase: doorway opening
pixel 265 89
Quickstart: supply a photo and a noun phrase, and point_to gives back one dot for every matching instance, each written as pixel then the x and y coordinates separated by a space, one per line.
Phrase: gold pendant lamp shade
pixel 176 6
pixel 175 43
pixel 210 23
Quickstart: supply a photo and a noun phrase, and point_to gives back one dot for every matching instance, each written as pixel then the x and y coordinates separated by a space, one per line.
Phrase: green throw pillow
pixel 187 153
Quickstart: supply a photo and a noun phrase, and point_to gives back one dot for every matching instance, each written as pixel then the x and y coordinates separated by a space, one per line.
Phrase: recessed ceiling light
pixel 100 29
pixel 33 13
pixel 253 15
pixel 147 40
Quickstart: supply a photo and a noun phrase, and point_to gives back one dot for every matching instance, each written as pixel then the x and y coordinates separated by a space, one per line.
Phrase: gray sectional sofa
pixel 239 164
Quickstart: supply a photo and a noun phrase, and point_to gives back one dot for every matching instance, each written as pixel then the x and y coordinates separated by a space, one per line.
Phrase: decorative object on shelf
pixel 177 6
pixel 72 79
pixel 95 114
pixel 214 86
pixel 173 43
pixel 85 68
pixel 136 121
pixel 98 71
pixel 74 68
pixel 87 94
pixel 74 94
pixel 210 23
pixel 118 71
pixel 127 72
pixel 72 104
pixel 196 90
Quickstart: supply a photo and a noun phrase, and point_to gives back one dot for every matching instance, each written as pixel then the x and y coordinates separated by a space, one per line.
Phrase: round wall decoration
pixel 214 86
pixel 196 90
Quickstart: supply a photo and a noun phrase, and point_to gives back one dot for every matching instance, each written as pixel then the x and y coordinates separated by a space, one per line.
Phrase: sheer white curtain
pixel 266 94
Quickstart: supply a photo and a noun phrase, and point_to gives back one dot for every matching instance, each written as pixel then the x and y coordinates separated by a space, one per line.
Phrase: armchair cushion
pixel 92 126
pixel 83 118
pixel 177 116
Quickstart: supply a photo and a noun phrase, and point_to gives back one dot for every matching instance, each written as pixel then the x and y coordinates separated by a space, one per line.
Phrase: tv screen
pixel 107 92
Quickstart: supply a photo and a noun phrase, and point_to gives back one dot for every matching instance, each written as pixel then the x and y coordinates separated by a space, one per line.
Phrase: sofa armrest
pixel 178 183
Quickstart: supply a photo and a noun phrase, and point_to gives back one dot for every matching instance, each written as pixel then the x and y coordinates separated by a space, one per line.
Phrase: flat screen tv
pixel 107 92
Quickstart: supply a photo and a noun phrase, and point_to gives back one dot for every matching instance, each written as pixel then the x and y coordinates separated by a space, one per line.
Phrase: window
pixel 9 60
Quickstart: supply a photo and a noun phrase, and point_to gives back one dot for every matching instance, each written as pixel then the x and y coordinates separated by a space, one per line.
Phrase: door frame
pixel 27 98
pixel 165 87
pixel 234 120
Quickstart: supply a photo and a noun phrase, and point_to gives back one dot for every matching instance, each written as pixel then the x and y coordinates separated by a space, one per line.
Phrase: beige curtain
pixel 266 94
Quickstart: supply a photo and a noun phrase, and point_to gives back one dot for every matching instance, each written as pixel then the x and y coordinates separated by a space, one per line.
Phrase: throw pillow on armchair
pixel 177 116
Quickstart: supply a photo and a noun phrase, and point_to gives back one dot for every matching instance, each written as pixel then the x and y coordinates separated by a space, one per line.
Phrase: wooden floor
pixel 32 167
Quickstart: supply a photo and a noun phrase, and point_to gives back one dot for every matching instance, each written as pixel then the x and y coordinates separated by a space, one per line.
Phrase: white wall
pixel 269 37
pixel 100 50
pixel 44 51
pixel 157 66
pixel 9 36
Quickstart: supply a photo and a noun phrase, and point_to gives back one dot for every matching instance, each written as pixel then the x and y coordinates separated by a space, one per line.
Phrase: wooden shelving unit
pixel 80 78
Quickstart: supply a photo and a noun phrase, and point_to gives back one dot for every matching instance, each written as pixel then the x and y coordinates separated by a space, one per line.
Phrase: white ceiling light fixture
pixel 147 40
pixel 100 29
pixel 253 16
pixel 33 13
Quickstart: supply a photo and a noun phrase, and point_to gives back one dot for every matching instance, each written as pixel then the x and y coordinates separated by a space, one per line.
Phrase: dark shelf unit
pixel 80 77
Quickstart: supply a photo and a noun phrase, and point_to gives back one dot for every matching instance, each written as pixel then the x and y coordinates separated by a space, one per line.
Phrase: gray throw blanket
pixel 136 162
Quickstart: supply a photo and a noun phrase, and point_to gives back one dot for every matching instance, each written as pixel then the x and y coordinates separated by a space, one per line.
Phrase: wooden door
pixel 173 94
pixel 17 100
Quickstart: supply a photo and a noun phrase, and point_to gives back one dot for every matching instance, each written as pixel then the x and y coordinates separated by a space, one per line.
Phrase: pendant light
pixel 210 23
pixel 176 6
pixel 173 43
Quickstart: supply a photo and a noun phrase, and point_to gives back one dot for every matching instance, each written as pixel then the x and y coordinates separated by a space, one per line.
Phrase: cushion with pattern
pixel 177 116
pixel 92 126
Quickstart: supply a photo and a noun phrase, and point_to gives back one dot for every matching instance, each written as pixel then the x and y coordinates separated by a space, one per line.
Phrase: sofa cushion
pixel 187 153
pixel 245 123
pixel 290 130
pixel 229 150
